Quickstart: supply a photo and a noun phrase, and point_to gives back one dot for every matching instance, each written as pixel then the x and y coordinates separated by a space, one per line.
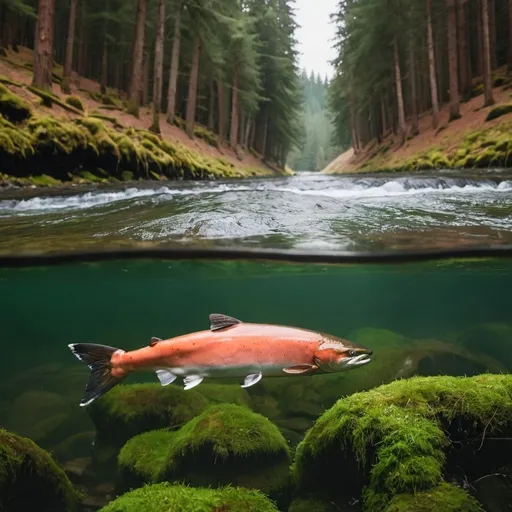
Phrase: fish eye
pixel 351 353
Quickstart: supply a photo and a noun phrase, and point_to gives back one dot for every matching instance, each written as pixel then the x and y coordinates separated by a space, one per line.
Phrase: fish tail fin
pixel 97 358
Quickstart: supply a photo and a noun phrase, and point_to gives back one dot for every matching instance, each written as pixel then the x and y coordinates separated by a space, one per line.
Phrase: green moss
pixel 498 111
pixel 229 444
pixel 127 176
pixel 15 142
pixel 397 433
pixel 130 409
pixel 12 107
pixel 76 102
pixel 30 479
pixel 45 181
pixel 143 457
pixel 205 134
pixel 445 497
pixel 179 498
pixel 90 177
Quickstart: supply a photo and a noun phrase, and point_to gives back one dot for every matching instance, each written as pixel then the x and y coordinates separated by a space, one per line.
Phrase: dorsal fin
pixel 219 321
pixel 154 340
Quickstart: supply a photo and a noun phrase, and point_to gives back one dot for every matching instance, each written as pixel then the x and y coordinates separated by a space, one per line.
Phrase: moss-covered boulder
pixel 142 459
pixel 229 444
pixel 406 437
pixel 30 479
pixel 444 498
pixel 130 409
pixel 165 497
pixel 13 107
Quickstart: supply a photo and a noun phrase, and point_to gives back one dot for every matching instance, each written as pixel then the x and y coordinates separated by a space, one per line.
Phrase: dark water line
pixel 331 257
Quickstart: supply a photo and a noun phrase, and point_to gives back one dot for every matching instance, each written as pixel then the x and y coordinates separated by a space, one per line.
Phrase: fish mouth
pixel 359 360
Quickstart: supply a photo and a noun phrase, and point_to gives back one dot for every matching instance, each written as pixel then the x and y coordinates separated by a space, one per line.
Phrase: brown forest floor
pixel 447 134
pixel 13 68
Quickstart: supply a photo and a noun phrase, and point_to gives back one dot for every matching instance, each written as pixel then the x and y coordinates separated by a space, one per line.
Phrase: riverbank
pixel 480 138
pixel 57 140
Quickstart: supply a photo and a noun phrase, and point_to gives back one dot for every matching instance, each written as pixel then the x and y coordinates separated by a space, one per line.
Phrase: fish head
pixel 337 355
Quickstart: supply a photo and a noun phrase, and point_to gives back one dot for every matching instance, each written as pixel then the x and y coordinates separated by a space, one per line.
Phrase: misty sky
pixel 315 35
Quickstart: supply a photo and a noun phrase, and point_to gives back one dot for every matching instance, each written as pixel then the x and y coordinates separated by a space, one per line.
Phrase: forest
pixel 317 146
pixel 398 60
pixel 226 65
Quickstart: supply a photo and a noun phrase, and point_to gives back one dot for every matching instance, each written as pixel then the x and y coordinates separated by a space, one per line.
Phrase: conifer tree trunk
pixel 145 76
pixel 414 96
pixel 221 113
pixel 211 107
pixel 480 39
pixel 452 61
pixel 173 78
pixel 509 52
pixel 233 138
pixel 43 51
pixel 432 69
pixel 488 96
pixel 82 37
pixel 462 40
pixel 159 66
pixel 68 62
pixel 399 93
pixel 192 87
pixel 491 9
pixel 137 59
pixel 104 55
pixel 383 115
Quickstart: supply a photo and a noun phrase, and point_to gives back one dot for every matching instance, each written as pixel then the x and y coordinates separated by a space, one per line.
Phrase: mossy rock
pixel 443 498
pixel 76 102
pixel 489 339
pixel 30 479
pixel 229 444
pixel 498 111
pixel 165 497
pixel 143 457
pixel 12 107
pixel 398 438
pixel 225 394
pixel 130 409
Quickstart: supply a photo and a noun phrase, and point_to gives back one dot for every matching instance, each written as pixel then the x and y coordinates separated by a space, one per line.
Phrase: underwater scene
pixel 405 404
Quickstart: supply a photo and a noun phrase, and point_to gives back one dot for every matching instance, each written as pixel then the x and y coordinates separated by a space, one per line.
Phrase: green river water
pixel 445 317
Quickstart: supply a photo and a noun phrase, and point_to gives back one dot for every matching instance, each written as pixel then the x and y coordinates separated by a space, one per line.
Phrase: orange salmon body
pixel 230 348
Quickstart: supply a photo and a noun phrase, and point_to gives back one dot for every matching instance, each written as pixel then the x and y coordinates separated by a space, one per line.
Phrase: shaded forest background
pixel 399 61
pixel 227 67
pixel 317 144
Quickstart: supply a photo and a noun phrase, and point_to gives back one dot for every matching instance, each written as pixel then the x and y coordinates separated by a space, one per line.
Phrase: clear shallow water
pixel 439 318
pixel 308 211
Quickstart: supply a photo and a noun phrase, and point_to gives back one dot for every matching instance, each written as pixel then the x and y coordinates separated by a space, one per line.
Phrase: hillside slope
pixel 204 151
pixel 468 142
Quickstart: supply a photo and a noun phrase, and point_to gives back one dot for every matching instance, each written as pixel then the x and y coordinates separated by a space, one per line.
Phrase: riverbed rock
pixel 400 439
pixel 30 479
pixel 180 498
pixel 226 444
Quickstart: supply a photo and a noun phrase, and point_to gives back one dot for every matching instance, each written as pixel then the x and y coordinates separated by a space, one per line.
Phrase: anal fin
pixel 252 379
pixel 300 368
pixel 191 381
pixel 165 377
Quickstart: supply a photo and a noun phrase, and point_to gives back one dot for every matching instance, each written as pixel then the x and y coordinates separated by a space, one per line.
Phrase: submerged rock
pixel 226 444
pixel 30 479
pixel 180 498
pixel 407 437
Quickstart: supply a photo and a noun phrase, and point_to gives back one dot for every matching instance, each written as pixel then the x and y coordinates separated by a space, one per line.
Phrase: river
pixel 309 211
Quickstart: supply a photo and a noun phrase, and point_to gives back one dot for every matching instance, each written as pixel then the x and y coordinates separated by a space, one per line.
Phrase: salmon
pixel 229 349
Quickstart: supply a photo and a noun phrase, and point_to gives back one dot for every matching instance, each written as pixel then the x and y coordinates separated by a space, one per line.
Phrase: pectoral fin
pixel 300 368
pixel 252 379
pixel 219 321
pixel 191 381
pixel 165 377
